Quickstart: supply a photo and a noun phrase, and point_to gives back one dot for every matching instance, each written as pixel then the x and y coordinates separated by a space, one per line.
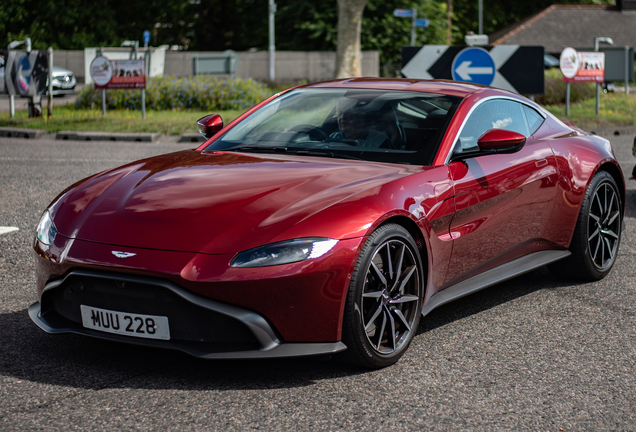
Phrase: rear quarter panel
pixel 579 156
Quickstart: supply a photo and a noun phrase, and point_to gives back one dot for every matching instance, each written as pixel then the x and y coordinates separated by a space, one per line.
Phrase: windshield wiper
pixel 258 149
pixel 324 153
pixel 345 140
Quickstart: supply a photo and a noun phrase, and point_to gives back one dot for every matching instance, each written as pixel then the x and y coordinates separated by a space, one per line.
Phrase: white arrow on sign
pixel 418 66
pixel 465 71
pixel 500 55
pixel 427 56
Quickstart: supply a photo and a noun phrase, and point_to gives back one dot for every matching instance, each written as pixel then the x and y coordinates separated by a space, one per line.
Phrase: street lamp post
pixel 597 42
pixel 413 27
pixel 481 16
pixel 272 46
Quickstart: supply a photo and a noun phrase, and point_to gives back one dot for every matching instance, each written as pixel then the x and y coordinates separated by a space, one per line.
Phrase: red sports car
pixel 328 219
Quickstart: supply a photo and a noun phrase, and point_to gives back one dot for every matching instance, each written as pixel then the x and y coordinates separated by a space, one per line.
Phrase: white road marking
pixel 4 230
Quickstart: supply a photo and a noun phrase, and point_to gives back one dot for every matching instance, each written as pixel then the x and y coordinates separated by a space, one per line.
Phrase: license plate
pixel 124 323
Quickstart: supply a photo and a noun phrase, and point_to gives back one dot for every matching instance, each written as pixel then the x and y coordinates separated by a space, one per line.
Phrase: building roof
pixel 561 26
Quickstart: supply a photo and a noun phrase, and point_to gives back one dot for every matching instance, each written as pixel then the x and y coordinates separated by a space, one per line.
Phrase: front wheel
pixel 597 234
pixel 384 300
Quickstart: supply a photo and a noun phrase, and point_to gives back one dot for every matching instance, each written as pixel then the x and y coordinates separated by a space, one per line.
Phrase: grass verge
pixel 615 109
pixel 67 118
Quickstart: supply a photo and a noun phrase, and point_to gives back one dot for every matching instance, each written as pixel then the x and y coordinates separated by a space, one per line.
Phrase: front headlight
pixel 284 252
pixel 46 230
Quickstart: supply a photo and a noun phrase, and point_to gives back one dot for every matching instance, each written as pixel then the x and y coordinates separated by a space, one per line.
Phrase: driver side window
pixel 496 113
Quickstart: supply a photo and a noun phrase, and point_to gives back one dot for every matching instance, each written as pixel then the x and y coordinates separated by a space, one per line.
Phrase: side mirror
pixel 494 141
pixel 210 125
pixel 501 141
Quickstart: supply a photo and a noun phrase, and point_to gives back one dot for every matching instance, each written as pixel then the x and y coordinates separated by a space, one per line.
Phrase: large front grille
pixel 188 321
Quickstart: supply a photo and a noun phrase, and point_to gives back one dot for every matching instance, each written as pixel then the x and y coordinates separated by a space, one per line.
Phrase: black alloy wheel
pixel 604 226
pixel 385 299
pixel 597 234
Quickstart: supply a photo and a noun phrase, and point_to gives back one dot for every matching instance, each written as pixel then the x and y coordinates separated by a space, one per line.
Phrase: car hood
pixel 61 71
pixel 212 202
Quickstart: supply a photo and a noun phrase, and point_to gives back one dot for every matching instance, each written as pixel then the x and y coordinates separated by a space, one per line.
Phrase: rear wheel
pixel 384 300
pixel 597 234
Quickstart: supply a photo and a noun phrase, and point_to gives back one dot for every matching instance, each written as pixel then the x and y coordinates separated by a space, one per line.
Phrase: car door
pixel 502 201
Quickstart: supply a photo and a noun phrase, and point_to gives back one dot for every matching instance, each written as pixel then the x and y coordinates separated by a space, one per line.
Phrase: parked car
pixel 64 80
pixel 328 219
pixel 549 61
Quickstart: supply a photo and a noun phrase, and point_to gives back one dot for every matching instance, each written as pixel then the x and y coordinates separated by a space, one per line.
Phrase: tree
pixel 348 54
pixel 308 25
pixel 386 33
pixel 345 26
pixel 81 24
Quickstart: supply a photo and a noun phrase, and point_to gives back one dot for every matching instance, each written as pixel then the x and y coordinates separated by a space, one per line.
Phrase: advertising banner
pixel 582 66
pixel 118 74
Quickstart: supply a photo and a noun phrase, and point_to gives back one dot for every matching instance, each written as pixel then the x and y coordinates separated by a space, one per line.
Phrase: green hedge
pixel 555 89
pixel 201 93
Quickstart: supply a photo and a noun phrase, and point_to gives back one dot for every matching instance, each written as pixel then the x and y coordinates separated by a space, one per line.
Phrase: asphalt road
pixel 534 353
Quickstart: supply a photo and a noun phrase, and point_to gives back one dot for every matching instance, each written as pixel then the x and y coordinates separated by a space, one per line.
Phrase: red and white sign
pixel 101 71
pixel 583 66
pixel 118 74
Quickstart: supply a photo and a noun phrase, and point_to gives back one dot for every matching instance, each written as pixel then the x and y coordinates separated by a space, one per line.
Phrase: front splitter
pixel 278 350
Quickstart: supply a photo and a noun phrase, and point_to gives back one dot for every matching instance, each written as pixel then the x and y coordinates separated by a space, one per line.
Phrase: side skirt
pixel 494 276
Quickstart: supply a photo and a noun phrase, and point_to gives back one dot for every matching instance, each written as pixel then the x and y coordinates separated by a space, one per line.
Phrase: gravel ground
pixel 534 353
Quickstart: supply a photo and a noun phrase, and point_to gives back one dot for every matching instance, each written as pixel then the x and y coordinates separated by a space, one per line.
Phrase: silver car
pixel 64 80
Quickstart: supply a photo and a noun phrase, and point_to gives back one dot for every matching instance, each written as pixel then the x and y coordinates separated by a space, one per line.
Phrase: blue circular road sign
pixel 474 65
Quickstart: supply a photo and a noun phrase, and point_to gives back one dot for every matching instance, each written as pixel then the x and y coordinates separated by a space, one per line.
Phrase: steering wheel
pixel 314 132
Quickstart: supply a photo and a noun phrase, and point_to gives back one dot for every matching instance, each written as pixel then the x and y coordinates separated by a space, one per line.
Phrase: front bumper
pixel 64 84
pixel 202 327
pixel 303 301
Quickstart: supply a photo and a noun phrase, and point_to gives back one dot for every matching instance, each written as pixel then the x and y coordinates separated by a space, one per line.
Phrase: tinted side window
pixel 497 113
pixel 534 119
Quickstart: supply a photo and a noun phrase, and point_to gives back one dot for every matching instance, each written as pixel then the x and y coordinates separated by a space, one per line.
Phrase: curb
pixel 609 131
pixel 150 137
pixel 21 133
pixel 106 136
pixel 191 138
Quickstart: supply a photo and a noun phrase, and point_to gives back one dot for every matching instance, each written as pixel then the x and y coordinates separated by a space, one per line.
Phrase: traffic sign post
pixel 421 22
pixel 509 67
pixel 403 13
pixel 474 65
pixel 412 13
pixel 146 38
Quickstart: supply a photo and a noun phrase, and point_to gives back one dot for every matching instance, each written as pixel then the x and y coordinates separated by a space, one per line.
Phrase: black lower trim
pixel 59 315
pixel 194 349
pixel 494 276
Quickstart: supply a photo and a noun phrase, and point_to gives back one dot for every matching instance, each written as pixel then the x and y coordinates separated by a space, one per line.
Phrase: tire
pixel 385 298
pixel 597 234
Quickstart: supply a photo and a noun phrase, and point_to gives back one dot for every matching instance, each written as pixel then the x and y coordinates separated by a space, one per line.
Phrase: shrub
pixel 555 89
pixel 201 93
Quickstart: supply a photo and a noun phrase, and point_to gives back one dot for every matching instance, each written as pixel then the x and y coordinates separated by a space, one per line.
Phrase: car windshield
pixel 375 125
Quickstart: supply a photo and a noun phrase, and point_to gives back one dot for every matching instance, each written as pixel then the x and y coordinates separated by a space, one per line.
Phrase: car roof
pixel 451 88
